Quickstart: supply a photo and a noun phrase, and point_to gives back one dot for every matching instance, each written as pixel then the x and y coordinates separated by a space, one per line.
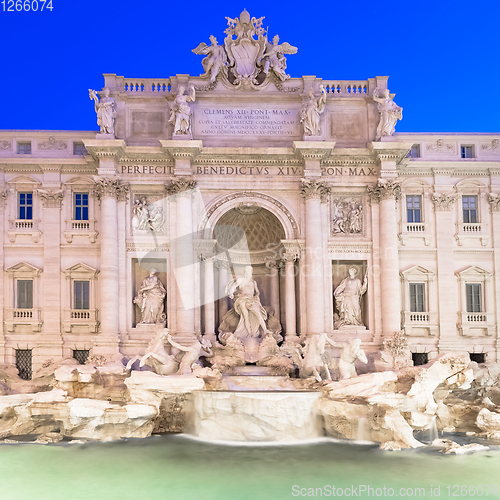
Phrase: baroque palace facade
pixel 310 169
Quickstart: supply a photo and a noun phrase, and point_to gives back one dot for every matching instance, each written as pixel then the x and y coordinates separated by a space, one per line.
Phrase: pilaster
pixel 494 202
pixel 4 193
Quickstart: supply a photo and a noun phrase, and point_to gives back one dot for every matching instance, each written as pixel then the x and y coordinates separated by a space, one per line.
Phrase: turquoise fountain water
pixel 175 467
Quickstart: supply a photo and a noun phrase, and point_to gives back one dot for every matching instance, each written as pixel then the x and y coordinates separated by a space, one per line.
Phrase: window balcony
pixel 27 227
pixel 23 317
pixel 81 228
pixel 409 230
pixel 472 324
pixel 84 319
pixel 420 323
pixel 472 230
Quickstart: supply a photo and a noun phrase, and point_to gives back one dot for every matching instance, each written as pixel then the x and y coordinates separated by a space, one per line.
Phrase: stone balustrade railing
pixel 343 88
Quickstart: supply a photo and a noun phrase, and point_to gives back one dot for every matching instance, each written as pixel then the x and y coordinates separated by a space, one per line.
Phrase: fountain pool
pixel 175 467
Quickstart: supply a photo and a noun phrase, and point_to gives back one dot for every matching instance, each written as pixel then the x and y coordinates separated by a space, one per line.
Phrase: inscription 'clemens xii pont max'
pixel 230 121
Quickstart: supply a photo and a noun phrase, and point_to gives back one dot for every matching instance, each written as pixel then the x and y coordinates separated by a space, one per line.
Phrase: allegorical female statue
pixel 151 300
pixel 390 113
pixel 311 111
pixel 105 109
pixel 348 299
pixel 180 112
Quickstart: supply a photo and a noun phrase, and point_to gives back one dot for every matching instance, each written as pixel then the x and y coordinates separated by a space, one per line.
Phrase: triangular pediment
pixel 473 271
pixel 416 270
pixel 23 268
pixel 81 269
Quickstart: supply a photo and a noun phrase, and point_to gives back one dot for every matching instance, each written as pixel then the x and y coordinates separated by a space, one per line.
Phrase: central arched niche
pixel 260 246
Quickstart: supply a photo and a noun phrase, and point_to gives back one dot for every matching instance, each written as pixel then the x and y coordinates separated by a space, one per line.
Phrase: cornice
pixel 313 150
pixel 182 149
pixel 390 151
pixel 105 148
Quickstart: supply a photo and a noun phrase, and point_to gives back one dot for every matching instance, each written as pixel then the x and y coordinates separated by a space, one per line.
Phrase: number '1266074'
pixel 26 5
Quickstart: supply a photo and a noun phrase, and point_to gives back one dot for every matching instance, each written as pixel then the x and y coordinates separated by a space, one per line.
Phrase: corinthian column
pixel 386 192
pixel 122 195
pixel 494 201
pixel 107 191
pixel 183 260
pixel 290 301
pixel 312 190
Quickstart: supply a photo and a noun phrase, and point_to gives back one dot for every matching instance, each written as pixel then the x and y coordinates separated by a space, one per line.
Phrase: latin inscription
pixel 247 122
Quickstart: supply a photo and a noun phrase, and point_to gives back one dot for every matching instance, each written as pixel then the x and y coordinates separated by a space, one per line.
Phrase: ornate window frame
pixel 16 317
pixel 477 230
pixel 481 323
pixel 86 320
pixel 80 227
pixel 415 230
pixel 414 323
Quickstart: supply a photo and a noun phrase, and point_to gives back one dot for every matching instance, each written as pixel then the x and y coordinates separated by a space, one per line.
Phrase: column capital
pixel 109 187
pixel 50 198
pixel 443 201
pixel 494 201
pixel 312 188
pixel 221 264
pixel 292 249
pixel 122 191
pixel 385 189
pixel 180 187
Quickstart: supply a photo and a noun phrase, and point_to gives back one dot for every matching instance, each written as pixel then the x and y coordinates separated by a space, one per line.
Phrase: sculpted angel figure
pixel 311 111
pixel 151 299
pixel 390 113
pixel 105 109
pixel 216 60
pixel 274 57
pixel 180 112
pixel 348 298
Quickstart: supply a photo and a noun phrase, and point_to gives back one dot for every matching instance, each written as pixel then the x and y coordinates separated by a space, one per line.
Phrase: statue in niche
pixel 311 111
pixel 180 112
pixel 151 300
pixel 316 358
pixel 157 357
pixel 216 60
pixel 390 113
pixel 348 299
pixel 147 217
pixel 248 319
pixel 105 109
pixel 346 217
pixel 274 58
pixel 350 353
pixel 192 353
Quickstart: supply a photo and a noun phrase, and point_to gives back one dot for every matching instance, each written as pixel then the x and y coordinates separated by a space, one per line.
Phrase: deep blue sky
pixel 442 57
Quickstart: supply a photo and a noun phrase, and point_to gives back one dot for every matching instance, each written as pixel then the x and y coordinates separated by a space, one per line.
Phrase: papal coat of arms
pixel 247 58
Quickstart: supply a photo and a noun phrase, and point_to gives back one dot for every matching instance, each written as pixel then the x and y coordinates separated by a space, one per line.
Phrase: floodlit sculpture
pixel 316 358
pixel 347 217
pixel 216 60
pixel 350 353
pixel 157 357
pixel 191 354
pixel 147 217
pixel 180 112
pixel 151 300
pixel 311 111
pixel 105 109
pixel 390 113
pixel 348 299
pixel 274 58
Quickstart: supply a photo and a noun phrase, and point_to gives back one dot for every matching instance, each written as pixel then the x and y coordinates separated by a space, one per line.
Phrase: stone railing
pixel 81 228
pixel 142 86
pixel 17 316
pixel 469 317
pixel 80 318
pixel 414 227
pixel 470 228
pixel 23 224
pixel 346 88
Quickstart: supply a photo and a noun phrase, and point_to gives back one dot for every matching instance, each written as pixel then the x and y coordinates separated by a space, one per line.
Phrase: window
pixel 24 148
pixel 81 206
pixel 473 297
pixel 24 294
pixel 478 357
pixel 81 355
pixel 25 206
pixel 417 297
pixel 467 151
pixel 414 208
pixel 469 207
pixel 79 149
pixel 81 298
pixel 414 151
pixel 419 358
pixel 24 363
